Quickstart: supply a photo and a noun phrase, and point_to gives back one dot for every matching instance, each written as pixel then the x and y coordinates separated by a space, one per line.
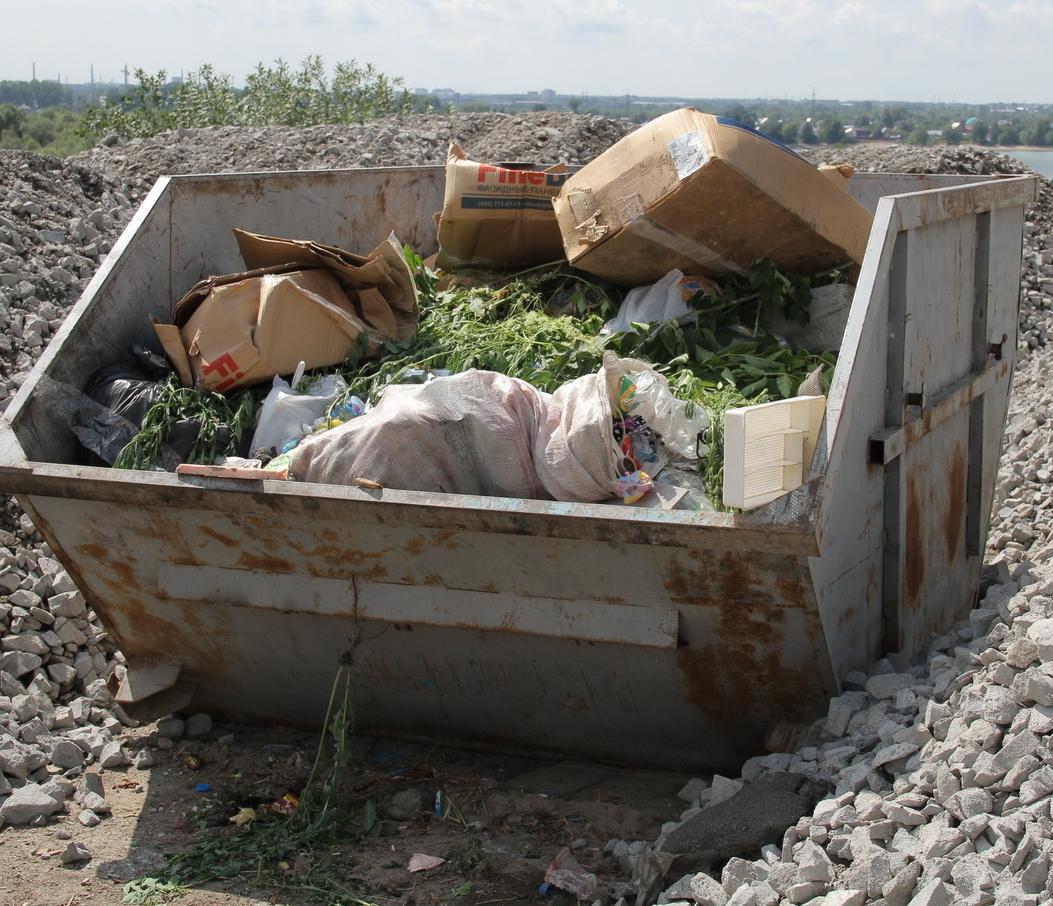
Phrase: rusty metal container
pixel 638 636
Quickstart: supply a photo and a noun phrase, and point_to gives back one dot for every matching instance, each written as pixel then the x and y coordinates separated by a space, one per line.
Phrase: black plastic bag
pixel 124 389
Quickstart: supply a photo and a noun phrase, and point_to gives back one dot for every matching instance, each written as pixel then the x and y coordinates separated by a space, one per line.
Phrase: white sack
pixel 481 433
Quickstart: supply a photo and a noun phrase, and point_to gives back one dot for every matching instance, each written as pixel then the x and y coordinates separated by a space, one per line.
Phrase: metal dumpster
pixel 638 636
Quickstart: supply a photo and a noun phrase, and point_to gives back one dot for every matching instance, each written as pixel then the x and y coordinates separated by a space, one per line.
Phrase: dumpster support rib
pixel 889 445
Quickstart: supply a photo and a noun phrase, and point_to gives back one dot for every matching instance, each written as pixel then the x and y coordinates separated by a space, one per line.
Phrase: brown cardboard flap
pixel 186 307
pixel 172 345
pixel 384 270
pixel 249 330
pixel 300 301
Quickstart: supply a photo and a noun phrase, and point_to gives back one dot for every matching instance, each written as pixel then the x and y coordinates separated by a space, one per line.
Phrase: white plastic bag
pixel 287 415
pixel 661 301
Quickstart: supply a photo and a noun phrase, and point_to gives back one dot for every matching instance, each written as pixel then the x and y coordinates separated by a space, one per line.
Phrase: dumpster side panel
pixel 955 402
pixel 622 651
pixel 356 213
pixel 1006 230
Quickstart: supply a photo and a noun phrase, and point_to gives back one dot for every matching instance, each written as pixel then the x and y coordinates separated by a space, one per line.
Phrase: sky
pixel 914 50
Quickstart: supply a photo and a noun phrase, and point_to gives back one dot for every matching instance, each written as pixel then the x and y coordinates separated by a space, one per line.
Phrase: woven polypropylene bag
pixel 478 432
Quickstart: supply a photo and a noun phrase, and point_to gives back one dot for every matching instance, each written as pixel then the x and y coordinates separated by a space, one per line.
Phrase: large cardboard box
pixel 706 195
pixel 498 216
pixel 300 301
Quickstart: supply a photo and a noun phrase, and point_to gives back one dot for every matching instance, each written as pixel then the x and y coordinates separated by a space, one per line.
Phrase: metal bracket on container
pixel 889 444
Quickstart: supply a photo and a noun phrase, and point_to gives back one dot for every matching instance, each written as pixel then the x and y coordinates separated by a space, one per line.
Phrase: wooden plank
pixel 238 472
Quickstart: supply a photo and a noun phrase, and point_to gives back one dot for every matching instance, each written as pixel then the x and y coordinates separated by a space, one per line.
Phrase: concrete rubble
pixel 929 781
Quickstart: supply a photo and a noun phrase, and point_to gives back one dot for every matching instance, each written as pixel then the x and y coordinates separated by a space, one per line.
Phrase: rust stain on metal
pixel 415 546
pixel 955 512
pixel 914 540
pixel 791 590
pixel 722 683
pixel 123 574
pixel 217 535
pixel 740 670
pixel 265 563
pixel 147 632
pixel 374 574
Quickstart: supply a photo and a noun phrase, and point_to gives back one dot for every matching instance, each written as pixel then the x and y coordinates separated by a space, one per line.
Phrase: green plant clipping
pixel 222 422
pixel 260 849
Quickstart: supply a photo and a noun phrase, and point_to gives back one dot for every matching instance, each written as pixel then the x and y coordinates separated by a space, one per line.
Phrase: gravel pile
pixel 543 138
pixel 928 782
pixel 57 715
pixel 57 222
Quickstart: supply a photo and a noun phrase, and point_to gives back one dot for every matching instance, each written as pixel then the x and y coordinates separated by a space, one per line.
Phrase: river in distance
pixel 1038 160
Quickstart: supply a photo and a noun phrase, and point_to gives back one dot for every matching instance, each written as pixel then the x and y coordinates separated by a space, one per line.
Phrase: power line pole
pixel 125 71
pixel 92 75
pixel 34 72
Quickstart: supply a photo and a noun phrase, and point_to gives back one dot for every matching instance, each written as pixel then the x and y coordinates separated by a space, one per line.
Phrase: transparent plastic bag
pixel 287 415
pixel 681 424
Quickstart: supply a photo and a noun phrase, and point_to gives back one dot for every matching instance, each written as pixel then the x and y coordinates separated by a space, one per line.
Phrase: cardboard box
pixel 704 194
pixel 497 216
pixel 300 301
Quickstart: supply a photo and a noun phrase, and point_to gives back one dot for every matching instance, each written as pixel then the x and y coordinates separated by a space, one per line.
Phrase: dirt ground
pixel 504 818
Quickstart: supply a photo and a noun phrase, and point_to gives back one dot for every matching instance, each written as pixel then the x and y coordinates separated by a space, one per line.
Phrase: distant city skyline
pixel 911 50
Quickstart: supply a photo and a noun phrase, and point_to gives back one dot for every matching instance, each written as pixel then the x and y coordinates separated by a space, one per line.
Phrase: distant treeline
pixel 61 119
pixel 808 122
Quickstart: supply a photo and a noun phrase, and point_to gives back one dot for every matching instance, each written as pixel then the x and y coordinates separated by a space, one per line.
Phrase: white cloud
pixel 897 49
